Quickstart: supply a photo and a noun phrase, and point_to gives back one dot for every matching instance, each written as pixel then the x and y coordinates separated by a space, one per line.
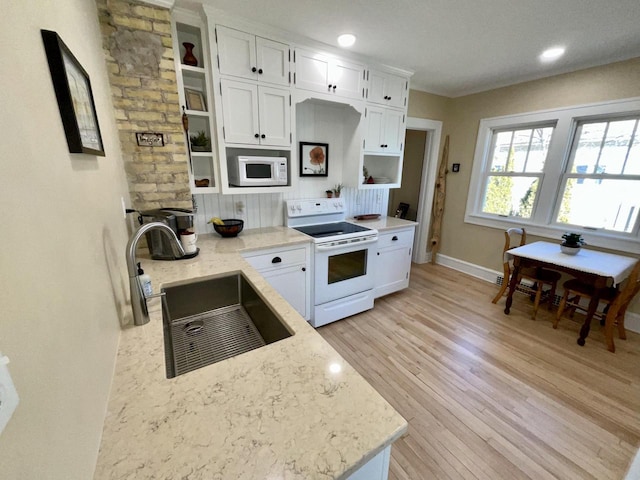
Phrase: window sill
pixel 594 238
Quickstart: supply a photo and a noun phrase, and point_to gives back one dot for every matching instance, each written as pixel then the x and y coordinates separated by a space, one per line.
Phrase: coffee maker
pixel 178 219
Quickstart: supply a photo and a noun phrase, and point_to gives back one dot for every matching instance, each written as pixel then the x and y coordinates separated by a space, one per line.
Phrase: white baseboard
pixel 631 321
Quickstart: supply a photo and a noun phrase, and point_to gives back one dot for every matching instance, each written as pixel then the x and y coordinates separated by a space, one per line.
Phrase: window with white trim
pixel 601 186
pixel 571 169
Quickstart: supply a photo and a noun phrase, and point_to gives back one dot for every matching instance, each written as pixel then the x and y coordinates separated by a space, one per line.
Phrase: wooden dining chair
pixel 616 301
pixel 516 237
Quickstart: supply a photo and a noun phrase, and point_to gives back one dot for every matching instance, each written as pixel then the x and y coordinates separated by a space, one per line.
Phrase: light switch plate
pixel 8 394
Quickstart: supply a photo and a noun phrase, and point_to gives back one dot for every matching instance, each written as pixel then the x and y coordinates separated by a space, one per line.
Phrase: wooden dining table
pixel 599 269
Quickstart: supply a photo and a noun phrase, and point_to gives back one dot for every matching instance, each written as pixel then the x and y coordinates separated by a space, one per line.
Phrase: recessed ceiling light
pixel 346 40
pixel 552 54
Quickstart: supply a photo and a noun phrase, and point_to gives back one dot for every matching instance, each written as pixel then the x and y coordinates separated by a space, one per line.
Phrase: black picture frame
pixel 314 159
pixel 75 97
pixel 149 139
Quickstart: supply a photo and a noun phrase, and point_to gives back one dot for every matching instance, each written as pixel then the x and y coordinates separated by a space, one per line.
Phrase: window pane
pixel 510 195
pixel 521 151
pixel 501 151
pixel 633 161
pixel 616 146
pixel 608 204
pixel 589 143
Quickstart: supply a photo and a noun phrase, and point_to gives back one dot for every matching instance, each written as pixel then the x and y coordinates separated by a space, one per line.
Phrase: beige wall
pixel 62 282
pixel 415 142
pixel 482 245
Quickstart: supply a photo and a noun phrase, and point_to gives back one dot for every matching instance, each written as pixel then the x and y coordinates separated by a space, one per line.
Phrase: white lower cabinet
pixel 393 260
pixel 288 271
pixel 375 469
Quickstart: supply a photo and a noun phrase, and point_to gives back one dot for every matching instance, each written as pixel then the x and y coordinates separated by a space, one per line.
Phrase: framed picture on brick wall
pixel 75 98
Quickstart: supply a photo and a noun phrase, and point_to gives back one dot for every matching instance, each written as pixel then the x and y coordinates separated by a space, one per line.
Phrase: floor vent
pixel 500 279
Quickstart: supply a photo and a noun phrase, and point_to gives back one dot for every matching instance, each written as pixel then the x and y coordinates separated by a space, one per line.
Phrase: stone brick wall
pixel 139 54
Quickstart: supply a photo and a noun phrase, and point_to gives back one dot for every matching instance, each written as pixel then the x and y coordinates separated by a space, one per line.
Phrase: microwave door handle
pixel 326 248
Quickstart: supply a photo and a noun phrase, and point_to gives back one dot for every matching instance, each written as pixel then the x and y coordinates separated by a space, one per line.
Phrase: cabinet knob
pixel 257 135
pixel 276 260
pixel 263 136
pixel 260 71
pixel 381 146
pixel 304 269
pixel 254 69
pixel 330 87
pixel 334 88
pixel 378 253
pixel 388 98
pixel 394 238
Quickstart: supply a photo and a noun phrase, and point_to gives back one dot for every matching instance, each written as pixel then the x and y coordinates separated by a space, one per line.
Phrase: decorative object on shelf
pixel 149 139
pixel 314 159
pixel 572 243
pixel 329 193
pixel 195 100
pixel 75 98
pixel 229 227
pixel 200 142
pixel 204 182
pixel 189 58
pixel 367 216
pixel 370 180
pixel 337 189
pixel 365 174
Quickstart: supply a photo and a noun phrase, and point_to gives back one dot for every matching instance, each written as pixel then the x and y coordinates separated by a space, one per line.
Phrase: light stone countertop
pixel 384 223
pixel 277 412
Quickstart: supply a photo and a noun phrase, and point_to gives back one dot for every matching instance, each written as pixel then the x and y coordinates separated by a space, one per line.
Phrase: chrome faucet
pixel 138 299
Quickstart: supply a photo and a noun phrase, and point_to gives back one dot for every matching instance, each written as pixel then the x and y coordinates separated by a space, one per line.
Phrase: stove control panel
pixel 320 206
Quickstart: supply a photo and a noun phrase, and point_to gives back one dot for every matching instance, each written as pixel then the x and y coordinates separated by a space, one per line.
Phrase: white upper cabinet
pixel 330 75
pixel 387 89
pixel 248 56
pixel 385 130
pixel 255 115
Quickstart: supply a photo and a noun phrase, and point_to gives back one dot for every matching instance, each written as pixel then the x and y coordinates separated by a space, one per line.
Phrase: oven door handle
pixel 326 248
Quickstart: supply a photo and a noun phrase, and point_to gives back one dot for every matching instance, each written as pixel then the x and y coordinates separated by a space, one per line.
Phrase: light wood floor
pixel 492 396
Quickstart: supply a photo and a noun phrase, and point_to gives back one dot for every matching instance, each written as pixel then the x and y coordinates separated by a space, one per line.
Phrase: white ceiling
pixel 457 47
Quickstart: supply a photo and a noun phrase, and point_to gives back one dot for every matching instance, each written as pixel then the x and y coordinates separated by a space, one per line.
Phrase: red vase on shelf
pixel 189 58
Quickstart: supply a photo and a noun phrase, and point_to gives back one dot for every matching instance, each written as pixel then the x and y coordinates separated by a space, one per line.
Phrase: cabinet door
pixel 347 79
pixel 290 282
pixel 393 134
pixel 373 141
pixel 392 270
pixel 386 89
pixel 236 53
pixel 275 116
pixel 395 90
pixel 376 92
pixel 312 71
pixel 273 61
pixel 240 112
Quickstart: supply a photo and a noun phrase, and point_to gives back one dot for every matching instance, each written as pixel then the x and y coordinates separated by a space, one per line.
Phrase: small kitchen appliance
pixel 178 219
pixel 343 252
pixel 250 171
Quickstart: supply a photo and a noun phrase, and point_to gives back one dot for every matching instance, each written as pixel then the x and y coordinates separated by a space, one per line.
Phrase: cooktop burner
pixel 331 229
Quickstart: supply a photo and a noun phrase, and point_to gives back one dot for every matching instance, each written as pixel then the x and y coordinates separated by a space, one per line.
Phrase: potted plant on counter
pixel 337 189
pixel 329 193
pixel 572 242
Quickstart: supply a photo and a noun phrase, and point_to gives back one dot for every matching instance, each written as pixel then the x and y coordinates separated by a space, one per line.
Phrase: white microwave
pixel 247 171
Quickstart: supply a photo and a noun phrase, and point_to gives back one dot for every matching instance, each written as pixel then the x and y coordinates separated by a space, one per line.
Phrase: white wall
pixel 62 282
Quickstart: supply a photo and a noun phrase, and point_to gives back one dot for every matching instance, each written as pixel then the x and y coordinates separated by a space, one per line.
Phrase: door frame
pixel 427 183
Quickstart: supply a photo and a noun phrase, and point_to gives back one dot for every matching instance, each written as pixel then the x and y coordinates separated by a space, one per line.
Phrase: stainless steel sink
pixel 209 320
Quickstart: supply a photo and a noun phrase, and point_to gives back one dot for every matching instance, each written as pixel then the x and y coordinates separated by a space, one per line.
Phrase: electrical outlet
pixel 239 207
pixel 8 394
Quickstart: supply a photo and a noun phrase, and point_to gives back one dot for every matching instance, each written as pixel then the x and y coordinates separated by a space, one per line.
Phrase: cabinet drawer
pixel 277 259
pixel 396 238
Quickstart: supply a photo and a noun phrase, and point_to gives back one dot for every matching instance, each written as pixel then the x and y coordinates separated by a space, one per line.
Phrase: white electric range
pixel 343 276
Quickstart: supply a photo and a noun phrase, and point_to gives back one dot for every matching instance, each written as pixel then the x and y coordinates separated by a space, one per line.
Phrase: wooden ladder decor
pixel 438 204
